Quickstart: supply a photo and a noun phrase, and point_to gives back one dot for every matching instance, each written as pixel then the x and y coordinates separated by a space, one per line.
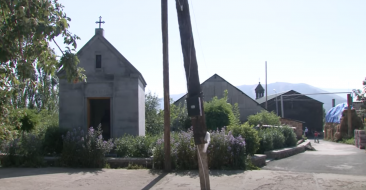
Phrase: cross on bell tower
pixel 100 21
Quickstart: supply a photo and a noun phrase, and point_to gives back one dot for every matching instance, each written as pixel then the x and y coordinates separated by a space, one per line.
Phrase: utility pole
pixel 194 96
pixel 164 28
pixel 282 111
pixel 349 102
pixel 266 87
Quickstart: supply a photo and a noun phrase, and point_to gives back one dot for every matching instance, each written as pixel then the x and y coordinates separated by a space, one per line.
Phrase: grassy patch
pixel 350 141
pixel 134 167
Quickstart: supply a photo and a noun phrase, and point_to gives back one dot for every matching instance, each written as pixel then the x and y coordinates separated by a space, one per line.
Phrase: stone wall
pixel 293 123
pixel 286 152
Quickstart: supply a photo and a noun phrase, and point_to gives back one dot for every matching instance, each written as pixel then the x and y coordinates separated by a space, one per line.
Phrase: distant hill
pixel 301 88
pixel 282 86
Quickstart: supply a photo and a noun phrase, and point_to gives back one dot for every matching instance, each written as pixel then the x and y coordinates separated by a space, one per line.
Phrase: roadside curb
pixel 286 152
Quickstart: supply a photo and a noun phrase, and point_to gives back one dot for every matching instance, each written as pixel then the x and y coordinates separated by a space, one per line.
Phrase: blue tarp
pixel 334 114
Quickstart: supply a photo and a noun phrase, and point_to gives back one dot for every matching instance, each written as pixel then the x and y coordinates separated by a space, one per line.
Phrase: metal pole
pixel 333 103
pixel 349 115
pixel 276 102
pixel 164 21
pixel 282 111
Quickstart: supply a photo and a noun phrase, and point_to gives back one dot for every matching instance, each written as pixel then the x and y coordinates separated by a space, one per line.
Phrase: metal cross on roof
pixel 100 22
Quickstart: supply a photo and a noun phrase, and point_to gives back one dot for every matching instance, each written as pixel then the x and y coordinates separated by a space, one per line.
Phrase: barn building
pixel 296 107
pixel 216 85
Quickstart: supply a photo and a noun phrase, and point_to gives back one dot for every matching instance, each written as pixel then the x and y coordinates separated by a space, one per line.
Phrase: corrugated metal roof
pixel 263 99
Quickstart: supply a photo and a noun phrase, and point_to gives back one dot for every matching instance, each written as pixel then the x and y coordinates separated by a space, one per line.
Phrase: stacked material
pixel 360 139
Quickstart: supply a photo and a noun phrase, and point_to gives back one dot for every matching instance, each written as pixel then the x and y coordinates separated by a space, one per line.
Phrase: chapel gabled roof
pixel 99 35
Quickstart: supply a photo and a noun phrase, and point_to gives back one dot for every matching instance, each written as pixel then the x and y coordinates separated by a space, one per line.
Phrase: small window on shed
pixel 98 61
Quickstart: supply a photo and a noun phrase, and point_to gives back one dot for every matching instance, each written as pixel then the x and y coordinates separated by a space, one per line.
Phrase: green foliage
pixel 266 141
pixel 154 117
pixel 135 146
pixel 29 120
pixel 25 151
pixel 28 65
pixel 290 136
pixel 264 118
pixel 274 138
pixel 53 142
pixel 361 94
pixel 304 137
pixel 224 151
pixel 235 117
pixel 249 134
pixel 85 149
pixel 179 117
pixel 218 113
pixel 134 167
pixel 277 136
pixel 350 141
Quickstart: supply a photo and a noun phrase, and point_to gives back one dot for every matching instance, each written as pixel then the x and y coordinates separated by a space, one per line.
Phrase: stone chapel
pixel 113 96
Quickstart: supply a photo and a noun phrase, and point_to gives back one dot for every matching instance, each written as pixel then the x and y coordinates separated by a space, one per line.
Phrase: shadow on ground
pixel 22 172
pixel 194 173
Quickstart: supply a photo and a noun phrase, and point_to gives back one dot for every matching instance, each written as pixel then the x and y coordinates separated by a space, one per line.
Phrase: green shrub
pixel 249 134
pixel 218 113
pixel 25 151
pixel 85 149
pixel 135 146
pixel 350 141
pixel 304 137
pixel 53 142
pixel 135 167
pixel 264 118
pixel 290 136
pixel 266 141
pixel 224 151
pixel 277 137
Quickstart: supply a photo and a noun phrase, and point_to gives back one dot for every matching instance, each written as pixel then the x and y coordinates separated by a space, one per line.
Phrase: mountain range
pixel 283 86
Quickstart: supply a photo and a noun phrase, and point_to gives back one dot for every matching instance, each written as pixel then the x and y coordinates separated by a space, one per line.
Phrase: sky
pixel 320 43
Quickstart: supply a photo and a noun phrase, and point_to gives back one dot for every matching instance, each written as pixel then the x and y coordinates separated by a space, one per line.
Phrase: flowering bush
pixel 85 149
pixel 131 146
pixel 224 151
pixel 25 151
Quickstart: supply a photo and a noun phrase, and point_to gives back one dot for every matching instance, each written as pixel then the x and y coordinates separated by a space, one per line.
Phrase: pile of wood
pixel 360 139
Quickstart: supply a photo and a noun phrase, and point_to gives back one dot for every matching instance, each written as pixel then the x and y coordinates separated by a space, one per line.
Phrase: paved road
pixel 321 169
pixel 111 179
pixel 329 157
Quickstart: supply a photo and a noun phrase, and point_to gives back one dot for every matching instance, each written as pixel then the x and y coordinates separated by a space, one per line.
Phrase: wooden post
pixel 164 21
pixel 349 115
pixel 194 87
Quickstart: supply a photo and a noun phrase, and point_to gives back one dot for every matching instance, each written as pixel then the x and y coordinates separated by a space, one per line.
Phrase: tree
pixel 26 59
pixel 218 112
pixel 264 118
pixel 179 117
pixel 361 94
pixel 154 117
